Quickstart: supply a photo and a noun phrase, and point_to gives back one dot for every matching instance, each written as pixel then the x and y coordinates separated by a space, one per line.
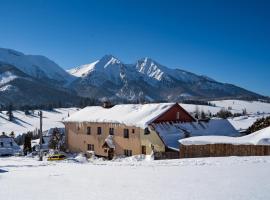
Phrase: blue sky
pixel 226 40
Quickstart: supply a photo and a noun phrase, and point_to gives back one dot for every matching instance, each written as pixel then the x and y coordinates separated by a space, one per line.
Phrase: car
pixel 56 157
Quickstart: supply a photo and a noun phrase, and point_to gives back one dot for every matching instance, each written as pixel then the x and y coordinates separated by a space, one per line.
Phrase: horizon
pixel 226 40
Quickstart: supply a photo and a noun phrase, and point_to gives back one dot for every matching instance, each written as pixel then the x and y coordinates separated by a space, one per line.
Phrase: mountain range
pixel 35 80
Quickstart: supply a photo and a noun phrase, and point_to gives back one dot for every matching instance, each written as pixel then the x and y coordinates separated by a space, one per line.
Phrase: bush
pixel 259 124
pixel 224 114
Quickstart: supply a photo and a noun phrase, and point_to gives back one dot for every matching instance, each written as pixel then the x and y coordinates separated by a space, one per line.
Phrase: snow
pixel 261 137
pixel 150 68
pixel 255 110
pixel 192 107
pixel 82 70
pixel 23 123
pixel 238 106
pixel 108 68
pixel 172 132
pixel 244 122
pixel 34 65
pixel 6 77
pixel 237 178
pixel 139 115
pixel 8 88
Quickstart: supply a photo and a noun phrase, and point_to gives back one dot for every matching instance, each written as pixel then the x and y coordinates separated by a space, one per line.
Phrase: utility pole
pixel 40 136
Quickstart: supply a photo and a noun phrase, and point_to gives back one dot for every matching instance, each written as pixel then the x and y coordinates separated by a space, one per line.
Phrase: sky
pixel 226 40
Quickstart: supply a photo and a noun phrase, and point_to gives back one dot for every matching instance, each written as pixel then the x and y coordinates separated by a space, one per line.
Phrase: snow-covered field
pixel 23 123
pixel 238 178
pixel 255 110
pixel 238 106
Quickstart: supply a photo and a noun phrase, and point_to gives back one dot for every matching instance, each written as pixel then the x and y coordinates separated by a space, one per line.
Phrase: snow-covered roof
pixel 170 133
pixel 261 137
pixel 139 115
pixel 49 132
pixel 8 146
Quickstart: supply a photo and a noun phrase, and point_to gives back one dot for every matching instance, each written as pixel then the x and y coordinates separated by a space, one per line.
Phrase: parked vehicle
pixel 56 157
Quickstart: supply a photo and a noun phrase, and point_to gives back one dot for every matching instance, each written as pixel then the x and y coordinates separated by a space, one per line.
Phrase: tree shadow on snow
pixel 3 171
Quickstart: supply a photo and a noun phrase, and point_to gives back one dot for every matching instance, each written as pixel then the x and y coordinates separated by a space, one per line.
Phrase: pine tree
pixel 203 115
pixel 12 134
pixel 10 113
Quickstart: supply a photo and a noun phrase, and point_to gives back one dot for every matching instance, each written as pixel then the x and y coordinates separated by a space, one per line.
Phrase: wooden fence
pixel 216 150
pixel 166 155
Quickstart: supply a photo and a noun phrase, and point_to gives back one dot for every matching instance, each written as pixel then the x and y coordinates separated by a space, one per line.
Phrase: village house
pixel 8 146
pixel 134 129
pixel 122 129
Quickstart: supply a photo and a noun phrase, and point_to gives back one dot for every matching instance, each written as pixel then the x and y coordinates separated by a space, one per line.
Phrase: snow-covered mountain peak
pixel 105 63
pixel 109 60
pixel 82 70
pixel 36 66
pixel 150 68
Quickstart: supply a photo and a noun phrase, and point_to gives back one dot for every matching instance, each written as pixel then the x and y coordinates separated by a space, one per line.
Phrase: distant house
pixel 8 146
pixel 133 129
pixel 46 137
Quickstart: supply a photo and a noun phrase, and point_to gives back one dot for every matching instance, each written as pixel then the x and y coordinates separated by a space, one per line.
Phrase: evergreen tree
pixel 12 134
pixel 203 115
pixel 10 113
pixel 197 112
pixel 27 143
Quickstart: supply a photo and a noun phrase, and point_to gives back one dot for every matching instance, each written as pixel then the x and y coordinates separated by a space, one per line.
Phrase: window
pixel 178 115
pixel 99 130
pixel 133 130
pixel 88 132
pixel 127 152
pixel 146 131
pixel 2 144
pixel 126 133
pixel 11 144
pixel 90 147
pixel 111 131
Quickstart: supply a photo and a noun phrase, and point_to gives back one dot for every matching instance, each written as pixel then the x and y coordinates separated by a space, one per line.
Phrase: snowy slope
pixel 235 178
pixel 6 77
pixel 255 110
pixel 238 106
pixel 82 70
pixel 244 122
pixel 23 123
pixel 34 65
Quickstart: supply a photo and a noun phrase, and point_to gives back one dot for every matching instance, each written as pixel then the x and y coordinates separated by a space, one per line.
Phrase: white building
pixel 8 146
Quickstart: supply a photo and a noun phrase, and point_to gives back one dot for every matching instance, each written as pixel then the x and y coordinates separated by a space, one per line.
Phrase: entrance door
pixel 110 153
pixel 144 150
